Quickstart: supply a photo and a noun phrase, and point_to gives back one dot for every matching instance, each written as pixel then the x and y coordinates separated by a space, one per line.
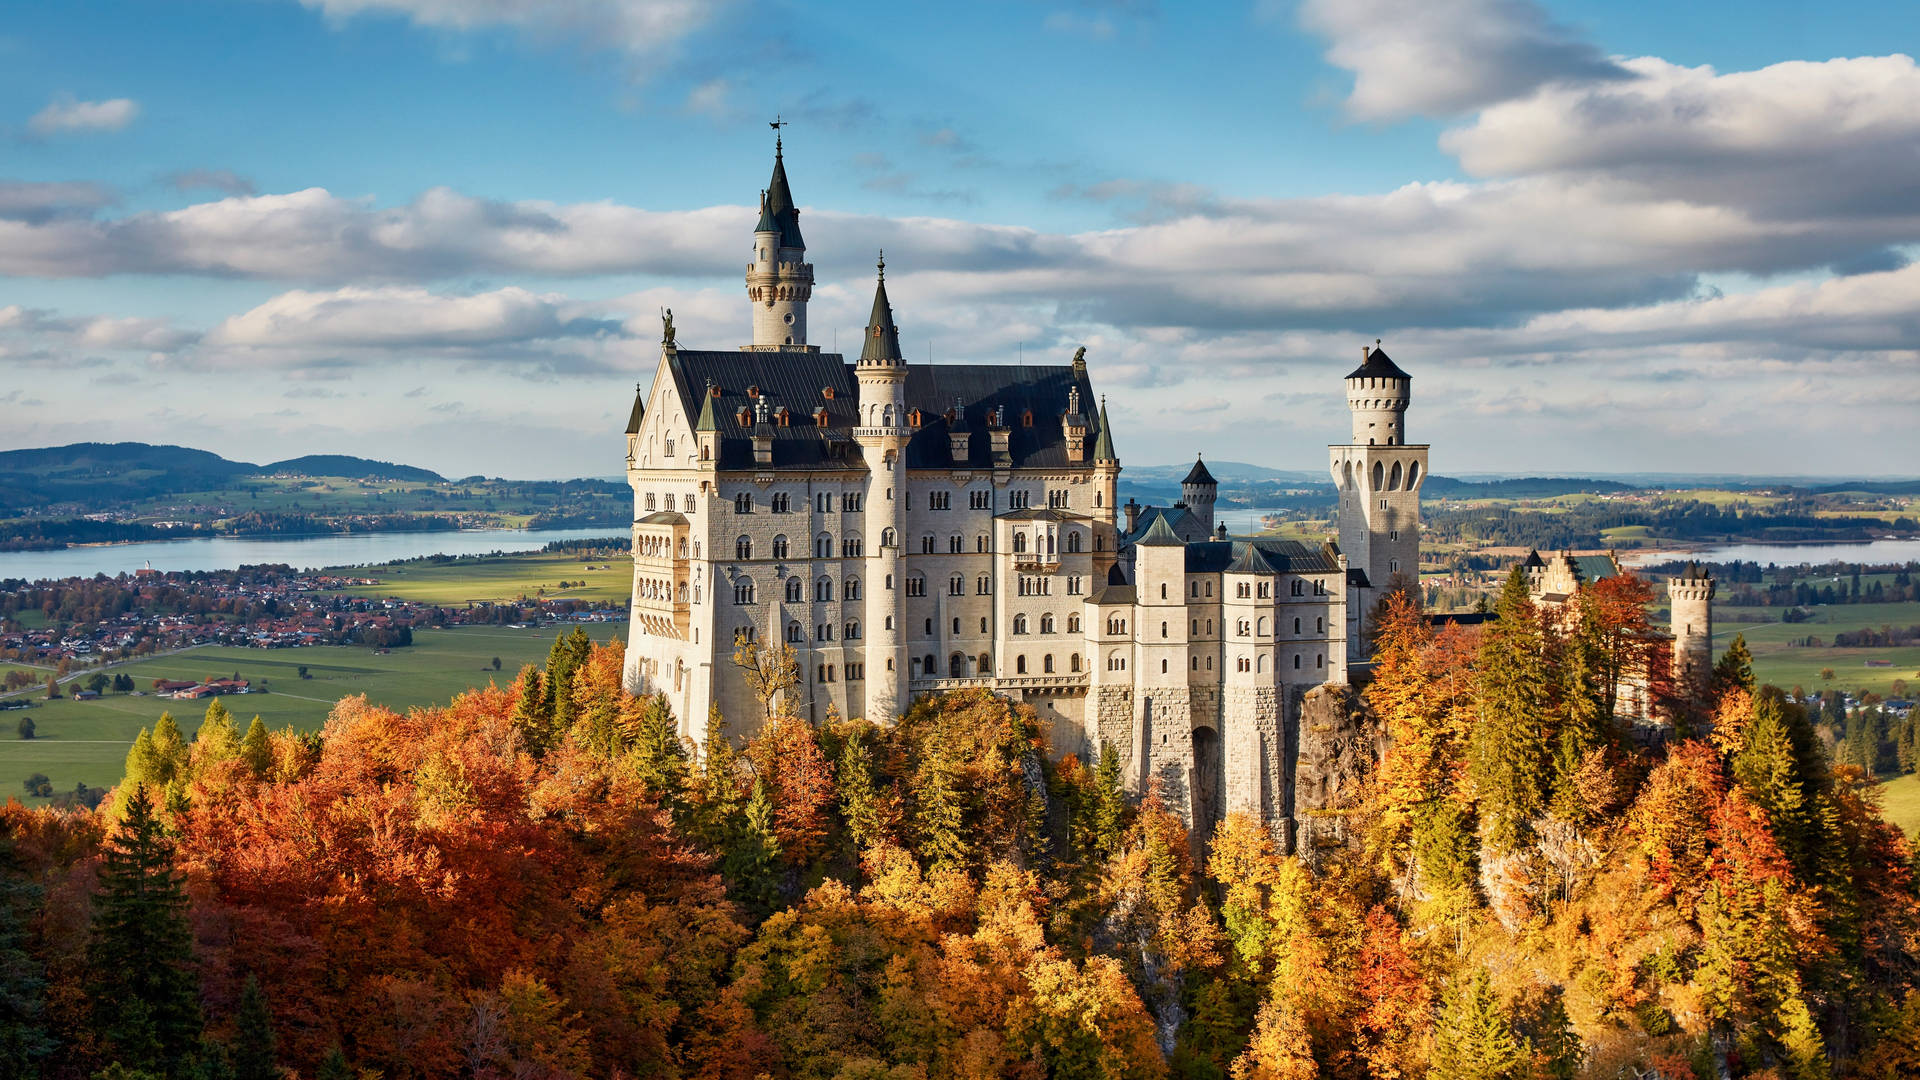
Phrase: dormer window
pixel 753 391
pixel 914 418
pixel 1026 418
pixel 745 416
pixel 827 392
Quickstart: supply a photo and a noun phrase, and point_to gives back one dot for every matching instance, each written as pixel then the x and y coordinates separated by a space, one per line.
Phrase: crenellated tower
pixel 780 279
pixel 882 433
pixel 1199 491
pixel 1691 595
pixel 1379 476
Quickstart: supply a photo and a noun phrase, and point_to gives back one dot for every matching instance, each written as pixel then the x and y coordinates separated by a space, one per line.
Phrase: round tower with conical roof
pixel 779 279
pixel 1198 491
pixel 882 433
pixel 1691 597
pixel 1379 475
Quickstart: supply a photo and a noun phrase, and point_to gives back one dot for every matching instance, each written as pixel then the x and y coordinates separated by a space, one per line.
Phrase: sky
pixel 1603 237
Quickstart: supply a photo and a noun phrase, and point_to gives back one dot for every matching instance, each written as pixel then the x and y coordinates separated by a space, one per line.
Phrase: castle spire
pixel 780 280
pixel 883 337
pixel 1103 440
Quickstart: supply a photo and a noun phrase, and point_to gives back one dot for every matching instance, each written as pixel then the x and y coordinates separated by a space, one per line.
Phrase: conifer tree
pixel 169 750
pixel 334 1066
pixel 532 710
pixel 1475 1039
pixel 1584 722
pixel 656 754
pixel 1508 758
pixel 217 740
pixel 858 796
pixel 940 814
pixel 256 749
pixel 568 653
pixel 24 1039
pixel 1734 668
pixel 143 985
pixel 1109 804
pixel 752 855
pixel 253 1041
pixel 143 767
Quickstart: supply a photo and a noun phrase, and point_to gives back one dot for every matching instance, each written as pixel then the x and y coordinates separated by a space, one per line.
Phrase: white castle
pixel 912 528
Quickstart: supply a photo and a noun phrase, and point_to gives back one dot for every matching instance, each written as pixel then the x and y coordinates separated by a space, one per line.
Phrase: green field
pixel 501 577
pixel 1901 802
pixel 1786 666
pixel 87 741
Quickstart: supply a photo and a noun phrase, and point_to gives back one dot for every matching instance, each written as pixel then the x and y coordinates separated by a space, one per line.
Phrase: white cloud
pixel 1445 57
pixel 65 114
pixel 222 180
pixel 638 27
pixel 1840 137
pixel 710 99
pixel 395 317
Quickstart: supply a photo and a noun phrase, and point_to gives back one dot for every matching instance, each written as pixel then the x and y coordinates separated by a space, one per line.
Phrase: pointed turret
pixel 883 337
pixel 707 421
pixel 780 280
pixel 639 413
pixel 1103 440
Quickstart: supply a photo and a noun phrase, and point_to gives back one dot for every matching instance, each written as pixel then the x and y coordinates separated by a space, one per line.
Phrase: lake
pixel 302 552
pixel 1867 551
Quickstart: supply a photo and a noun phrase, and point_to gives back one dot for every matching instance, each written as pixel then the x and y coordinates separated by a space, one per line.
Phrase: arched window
pixel 916 586
pixel 649 500
pixel 1299 587
pixel 851 589
pixel 927 664
pixel 1262 629
pixel 1019 542
pixel 853 630
pixel 986 664
pixel 1073 662
pixel 1116 661
pixel 957 666
pixel 1393 481
pixel 980 543
pixel 1296 626
pixel 1413 474
pixel 823 546
pixel 1019 624
pixel 956 585
pixel 1073 541
pixel 782 502
pixel 1163 667
pixel 1296 663
pixel 1163 629
pixel 983 585
pixel 823 589
pixel 1046 664
pixel 1379 475
pixel 743 592
pixel 1020 665
pixel 780 547
pixel 793 631
pixel 1046 624
pixel 796 592
pixel 1073 623
pixel 886 538
pixel 743 547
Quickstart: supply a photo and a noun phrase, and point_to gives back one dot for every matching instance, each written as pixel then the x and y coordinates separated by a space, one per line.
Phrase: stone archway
pixel 1206 784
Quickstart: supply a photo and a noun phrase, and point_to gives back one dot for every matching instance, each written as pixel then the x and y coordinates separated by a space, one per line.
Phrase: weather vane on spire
pixel 882 265
pixel 776 124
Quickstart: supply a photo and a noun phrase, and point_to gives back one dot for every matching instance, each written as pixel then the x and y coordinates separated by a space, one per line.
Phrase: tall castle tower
pixel 779 280
pixel 882 433
pixel 1692 596
pixel 1379 476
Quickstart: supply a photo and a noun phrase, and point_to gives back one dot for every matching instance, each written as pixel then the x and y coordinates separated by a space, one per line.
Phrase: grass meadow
pixel 504 577
pixel 1900 801
pixel 87 741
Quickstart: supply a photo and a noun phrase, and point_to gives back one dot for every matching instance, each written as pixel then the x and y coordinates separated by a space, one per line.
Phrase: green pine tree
pixel 142 982
pixel 169 749
pixel 568 653
pixel 1508 755
pixel 532 710
pixel 217 740
pixel 719 799
pixel 334 1067
pixel 658 757
pixel 1100 810
pixel 24 1038
pixel 257 749
pixel 253 1040
pixel 750 866
pixel 1584 721
pixel 143 767
pixel 1475 1039
pixel 1734 668
pixel 858 796
pixel 1773 769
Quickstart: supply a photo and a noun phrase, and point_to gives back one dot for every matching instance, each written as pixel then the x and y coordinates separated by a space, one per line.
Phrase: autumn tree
pixel 256 749
pixel 533 710
pixel 569 651
pixel 770 669
pixel 1475 1037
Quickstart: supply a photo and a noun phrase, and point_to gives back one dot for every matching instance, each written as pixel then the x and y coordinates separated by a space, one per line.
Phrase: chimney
pixel 1133 513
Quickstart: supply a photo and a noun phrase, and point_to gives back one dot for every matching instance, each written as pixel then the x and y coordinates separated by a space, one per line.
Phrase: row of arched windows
pixel 1020 624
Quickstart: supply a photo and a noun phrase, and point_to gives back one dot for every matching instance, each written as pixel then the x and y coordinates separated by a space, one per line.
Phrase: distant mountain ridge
pixel 94 471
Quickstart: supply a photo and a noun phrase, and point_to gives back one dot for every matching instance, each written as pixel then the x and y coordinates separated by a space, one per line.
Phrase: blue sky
pixel 1603 236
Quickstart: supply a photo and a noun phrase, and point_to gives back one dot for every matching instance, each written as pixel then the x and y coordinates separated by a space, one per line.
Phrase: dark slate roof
pixel 777 211
pixel 1357 578
pixel 1114 594
pixel 1593 568
pixel 883 338
pixel 1199 474
pixel 1103 442
pixel 1695 572
pixel 1378 365
pixel 1176 517
pixel 639 411
pixel 796 378
pixel 1534 561
pixel 1159 535
pixel 664 517
pixel 1042 514
pixel 1261 556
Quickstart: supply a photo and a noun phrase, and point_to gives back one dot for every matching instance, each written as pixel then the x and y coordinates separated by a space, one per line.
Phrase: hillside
pixel 101 472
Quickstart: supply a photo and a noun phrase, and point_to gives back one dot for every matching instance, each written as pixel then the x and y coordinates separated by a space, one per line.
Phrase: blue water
pixel 1866 551
pixel 305 552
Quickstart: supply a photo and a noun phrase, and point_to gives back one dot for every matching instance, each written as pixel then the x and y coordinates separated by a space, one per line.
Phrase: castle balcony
pixel 1041 561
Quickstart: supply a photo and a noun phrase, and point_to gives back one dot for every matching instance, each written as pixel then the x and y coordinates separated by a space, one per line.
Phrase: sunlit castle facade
pixel 911 528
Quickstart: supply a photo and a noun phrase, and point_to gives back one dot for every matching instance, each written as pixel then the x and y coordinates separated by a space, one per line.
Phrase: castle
pixel 910 528
pixel 1555 583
